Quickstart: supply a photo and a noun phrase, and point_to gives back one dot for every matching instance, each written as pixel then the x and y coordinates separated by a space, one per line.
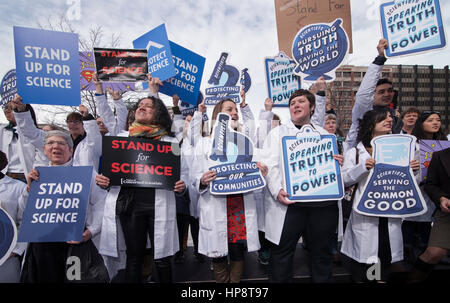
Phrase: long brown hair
pixel 217 110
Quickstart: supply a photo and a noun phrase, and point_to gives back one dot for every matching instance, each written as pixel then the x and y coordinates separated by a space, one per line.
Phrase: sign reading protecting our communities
pixel 391 189
pixel 225 80
pixel 119 65
pixel 319 49
pixel 140 162
pixel 310 171
pixel 8 87
pixel 281 80
pixel 189 71
pixel 8 232
pixel 427 148
pixel 156 42
pixel 57 205
pixel 47 66
pixel 231 157
pixel 88 70
pixel 412 26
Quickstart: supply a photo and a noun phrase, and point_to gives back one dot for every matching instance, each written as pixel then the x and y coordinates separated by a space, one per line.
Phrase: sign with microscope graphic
pixel 310 171
pixel 391 189
pixel 280 78
pixel 224 80
pixel 412 27
pixel 231 157
pixel 319 50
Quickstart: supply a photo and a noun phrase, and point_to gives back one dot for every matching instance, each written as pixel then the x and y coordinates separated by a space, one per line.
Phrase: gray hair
pixel 59 133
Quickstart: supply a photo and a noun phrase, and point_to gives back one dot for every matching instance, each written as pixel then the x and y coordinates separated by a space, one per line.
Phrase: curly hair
pixel 367 124
pixel 418 131
pixel 161 116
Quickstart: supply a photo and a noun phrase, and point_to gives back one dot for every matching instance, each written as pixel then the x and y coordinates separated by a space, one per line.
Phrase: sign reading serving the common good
pixel 310 171
pixel 189 71
pixel 88 70
pixel 156 42
pixel 293 15
pixel 47 66
pixel 318 49
pixel 225 80
pixel 391 189
pixel 231 157
pixel 140 162
pixel 8 237
pixel 412 26
pixel 121 64
pixel 8 86
pixel 427 148
pixel 57 205
pixel 281 80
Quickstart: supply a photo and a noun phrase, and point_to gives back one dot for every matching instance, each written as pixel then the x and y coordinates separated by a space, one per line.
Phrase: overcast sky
pixel 246 29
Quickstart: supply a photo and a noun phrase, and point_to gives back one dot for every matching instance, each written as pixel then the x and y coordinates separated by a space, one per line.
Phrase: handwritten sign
pixel 391 189
pixel 280 78
pixel 57 205
pixel 310 171
pixel 292 15
pixel 231 157
pixel 121 64
pixel 47 66
pixel 427 148
pixel 412 27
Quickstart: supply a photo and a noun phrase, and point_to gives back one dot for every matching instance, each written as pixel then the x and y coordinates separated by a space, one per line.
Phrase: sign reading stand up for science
pixel 47 66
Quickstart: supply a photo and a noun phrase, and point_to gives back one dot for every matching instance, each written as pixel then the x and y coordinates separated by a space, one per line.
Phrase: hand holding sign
pixel 153 84
pixel 382 45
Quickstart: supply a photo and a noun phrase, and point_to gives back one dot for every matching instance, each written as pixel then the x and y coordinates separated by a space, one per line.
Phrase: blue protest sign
pixel 160 63
pixel 57 204
pixel 189 71
pixel 47 66
pixel 412 27
pixel 8 235
pixel 231 157
pixel 224 79
pixel 280 78
pixel 8 86
pixel 391 189
pixel 310 171
pixel 319 49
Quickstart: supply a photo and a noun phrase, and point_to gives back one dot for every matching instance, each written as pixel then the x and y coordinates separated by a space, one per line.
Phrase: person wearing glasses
pixel 22 155
pixel 373 93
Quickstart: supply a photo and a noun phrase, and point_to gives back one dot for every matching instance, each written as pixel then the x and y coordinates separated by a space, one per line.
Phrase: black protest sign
pixel 140 162
pixel 121 65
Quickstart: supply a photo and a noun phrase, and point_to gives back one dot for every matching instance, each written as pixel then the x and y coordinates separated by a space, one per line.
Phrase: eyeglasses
pixel 60 143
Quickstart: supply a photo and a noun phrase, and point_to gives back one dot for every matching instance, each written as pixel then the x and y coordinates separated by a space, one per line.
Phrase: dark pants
pixel 136 227
pixel 195 228
pixel 236 252
pixel 415 238
pixel 183 225
pixel 320 223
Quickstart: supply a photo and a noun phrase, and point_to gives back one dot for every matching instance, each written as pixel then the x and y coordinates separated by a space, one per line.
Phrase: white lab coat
pixel 360 240
pixel 213 236
pixel 112 243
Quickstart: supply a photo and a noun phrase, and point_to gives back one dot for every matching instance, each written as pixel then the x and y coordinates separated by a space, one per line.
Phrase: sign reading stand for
pixel 310 171
pixel 231 157
pixel 391 189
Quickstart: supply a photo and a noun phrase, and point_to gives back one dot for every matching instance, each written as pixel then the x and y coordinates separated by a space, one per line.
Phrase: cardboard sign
pixel 319 49
pixel 121 64
pixel 427 148
pixel 310 171
pixel 8 238
pixel 47 66
pixel 231 157
pixel 159 52
pixel 140 162
pixel 88 70
pixel 391 189
pixel 57 205
pixel 280 78
pixel 8 87
pixel 189 71
pixel 224 79
pixel 412 27
pixel 292 15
